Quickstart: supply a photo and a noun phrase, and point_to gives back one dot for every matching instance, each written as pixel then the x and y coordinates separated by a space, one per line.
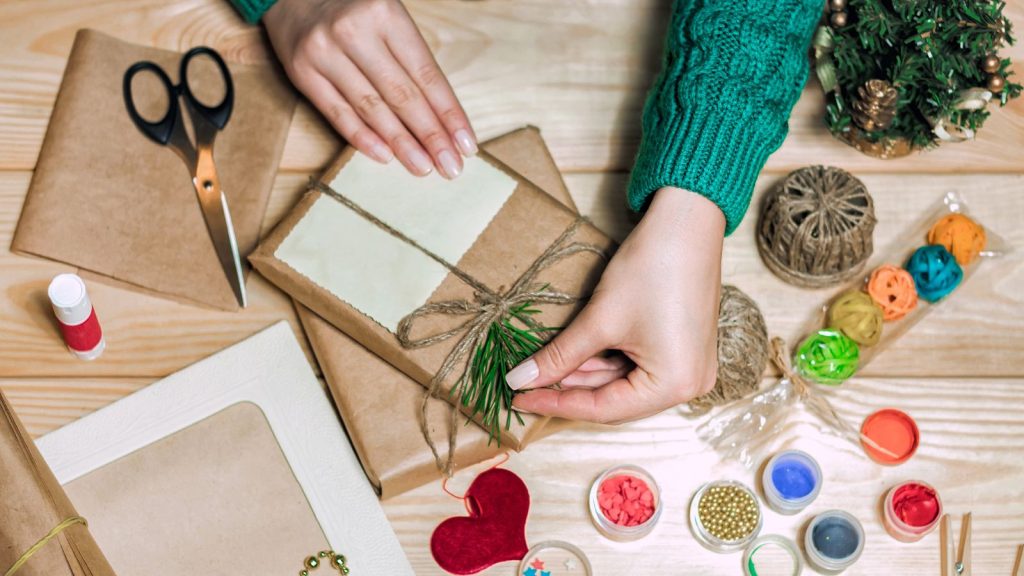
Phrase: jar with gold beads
pixel 725 516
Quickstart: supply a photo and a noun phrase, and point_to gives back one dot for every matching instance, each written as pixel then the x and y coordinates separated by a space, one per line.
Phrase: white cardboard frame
pixel 269 370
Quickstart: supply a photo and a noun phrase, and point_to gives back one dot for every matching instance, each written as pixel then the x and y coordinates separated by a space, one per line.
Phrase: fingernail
pixel 449 164
pixel 465 141
pixel 381 153
pixel 523 374
pixel 520 410
pixel 421 163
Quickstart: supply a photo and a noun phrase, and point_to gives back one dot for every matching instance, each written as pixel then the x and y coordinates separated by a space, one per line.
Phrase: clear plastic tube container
pixel 791 481
pixel 834 541
pixel 772 555
pixel 710 536
pixel 911 510
pixel 608 527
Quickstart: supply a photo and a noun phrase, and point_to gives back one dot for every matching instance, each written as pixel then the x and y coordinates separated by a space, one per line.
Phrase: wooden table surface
pixel 578 69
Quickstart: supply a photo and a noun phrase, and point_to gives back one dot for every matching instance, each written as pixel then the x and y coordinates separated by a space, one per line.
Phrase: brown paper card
pixel 31 504
pixel 106 199
pixel 528 223
pixel 368 391
pixel 217 497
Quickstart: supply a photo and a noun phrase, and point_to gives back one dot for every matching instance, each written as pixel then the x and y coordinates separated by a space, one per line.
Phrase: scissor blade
pixel 222 232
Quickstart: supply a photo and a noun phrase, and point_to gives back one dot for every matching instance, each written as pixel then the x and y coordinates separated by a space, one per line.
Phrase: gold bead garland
pixel 336 561
pixel 728 513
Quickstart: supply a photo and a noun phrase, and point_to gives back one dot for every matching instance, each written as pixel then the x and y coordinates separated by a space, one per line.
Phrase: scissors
pixel 206 122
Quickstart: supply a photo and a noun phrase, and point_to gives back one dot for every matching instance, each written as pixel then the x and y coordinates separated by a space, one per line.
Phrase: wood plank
pixel 976 333
pixel 578 69
pixel 146 336
pixel 970 451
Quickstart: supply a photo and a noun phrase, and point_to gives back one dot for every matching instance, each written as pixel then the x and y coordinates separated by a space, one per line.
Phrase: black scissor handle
pixel 161 130
pixel 217 115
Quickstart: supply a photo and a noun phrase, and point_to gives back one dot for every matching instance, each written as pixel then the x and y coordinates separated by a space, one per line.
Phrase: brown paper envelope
pixel 31 504
pixel 108 200
pixel 526 225
pixel 368 391
pixel 216 498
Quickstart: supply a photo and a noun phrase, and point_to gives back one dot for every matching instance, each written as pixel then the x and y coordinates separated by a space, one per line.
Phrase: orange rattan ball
pixel 892 288
pixel 963 237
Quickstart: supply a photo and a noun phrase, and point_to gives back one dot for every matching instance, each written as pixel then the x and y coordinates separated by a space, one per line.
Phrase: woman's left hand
pixel 657 303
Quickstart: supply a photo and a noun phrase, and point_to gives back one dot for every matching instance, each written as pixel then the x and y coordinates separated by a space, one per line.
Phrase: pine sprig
pixel 930 51
pixel 482 386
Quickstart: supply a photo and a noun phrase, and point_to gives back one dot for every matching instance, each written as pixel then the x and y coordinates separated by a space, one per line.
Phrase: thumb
pixel 562 356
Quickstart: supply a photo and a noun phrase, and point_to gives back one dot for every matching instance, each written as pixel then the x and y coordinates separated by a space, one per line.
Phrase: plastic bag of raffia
pixel 742 430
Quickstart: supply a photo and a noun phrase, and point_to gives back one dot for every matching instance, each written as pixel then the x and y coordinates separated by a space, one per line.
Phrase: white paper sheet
pixel 369 268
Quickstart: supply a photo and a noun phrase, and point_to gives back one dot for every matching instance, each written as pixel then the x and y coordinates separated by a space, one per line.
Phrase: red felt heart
pixel 494 531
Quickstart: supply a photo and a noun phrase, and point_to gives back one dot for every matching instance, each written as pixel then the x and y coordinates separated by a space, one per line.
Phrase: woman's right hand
pixel 365 66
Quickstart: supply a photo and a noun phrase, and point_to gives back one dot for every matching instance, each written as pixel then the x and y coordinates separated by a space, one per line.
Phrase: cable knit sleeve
pixel 252 10
pixel 732 72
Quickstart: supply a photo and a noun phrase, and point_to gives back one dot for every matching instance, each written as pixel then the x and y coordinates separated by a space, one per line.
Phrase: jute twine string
pixel 816 402
pixel 53 533
pixel 488 306
pixel 816 228
pixel 742 351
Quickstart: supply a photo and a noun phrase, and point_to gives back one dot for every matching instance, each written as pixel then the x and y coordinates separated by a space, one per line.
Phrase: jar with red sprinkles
pixel 625 503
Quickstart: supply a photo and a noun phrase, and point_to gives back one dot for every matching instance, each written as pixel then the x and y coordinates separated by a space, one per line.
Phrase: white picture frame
pixel 269 370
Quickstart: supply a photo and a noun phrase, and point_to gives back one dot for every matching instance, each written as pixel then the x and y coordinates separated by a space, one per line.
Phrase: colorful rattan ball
pixel 935 272
pixel 892 288
pixel 963 237
pixel 827 357
pixel 855 314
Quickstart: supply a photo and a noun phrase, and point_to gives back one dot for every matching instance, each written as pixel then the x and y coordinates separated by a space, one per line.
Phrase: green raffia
pixel 507 343
pixel 827 357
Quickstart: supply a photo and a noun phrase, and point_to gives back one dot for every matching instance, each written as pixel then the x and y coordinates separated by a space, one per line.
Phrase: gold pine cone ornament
pixel 875 106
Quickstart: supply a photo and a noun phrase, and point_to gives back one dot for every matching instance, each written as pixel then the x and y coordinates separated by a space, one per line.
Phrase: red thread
pixel 915 505
pixel 444 484
pixel 82 337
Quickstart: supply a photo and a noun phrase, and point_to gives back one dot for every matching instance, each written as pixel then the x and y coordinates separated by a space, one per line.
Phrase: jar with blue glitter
pixel 791 481
pixel 834 541
pixel 935 272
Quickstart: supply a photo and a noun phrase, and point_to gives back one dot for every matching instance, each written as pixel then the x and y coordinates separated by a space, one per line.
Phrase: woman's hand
pixel 657 302
pixel 365 66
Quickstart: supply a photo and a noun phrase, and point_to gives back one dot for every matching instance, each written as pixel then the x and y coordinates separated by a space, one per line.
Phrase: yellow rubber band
pixel 43 541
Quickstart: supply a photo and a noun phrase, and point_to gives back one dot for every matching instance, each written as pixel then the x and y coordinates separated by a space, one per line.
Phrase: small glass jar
pixel 905 531
pixel 706 534
pixel 791 481
pixel 834 541
pixel 611 529
pixel 772 554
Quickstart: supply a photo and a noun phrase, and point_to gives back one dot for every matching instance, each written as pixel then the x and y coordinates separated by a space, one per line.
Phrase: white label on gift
pixel 365 266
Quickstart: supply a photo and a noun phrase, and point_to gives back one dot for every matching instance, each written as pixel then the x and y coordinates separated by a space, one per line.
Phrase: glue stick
pixel 77 319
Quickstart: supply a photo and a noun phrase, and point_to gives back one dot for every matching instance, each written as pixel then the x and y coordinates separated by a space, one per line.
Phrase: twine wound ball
pixel 827 357
pixel 935 272
pixel 893 290
pixel 742 351
pixel 963 237
pixel 816 228
pixel 855 314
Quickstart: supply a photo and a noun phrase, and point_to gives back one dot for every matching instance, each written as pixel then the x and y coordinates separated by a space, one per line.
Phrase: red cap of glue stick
pixel 76 317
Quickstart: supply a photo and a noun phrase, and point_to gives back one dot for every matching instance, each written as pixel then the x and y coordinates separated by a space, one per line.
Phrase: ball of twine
pixel 742 351
pixel 963 237
pixel 855 314
pixel 893 290
pixel 827 357
pixel 816 227
pixel 935 272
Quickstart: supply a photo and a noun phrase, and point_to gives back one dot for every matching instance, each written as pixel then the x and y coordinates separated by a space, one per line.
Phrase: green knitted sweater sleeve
pixel 732 72
pixel 252 10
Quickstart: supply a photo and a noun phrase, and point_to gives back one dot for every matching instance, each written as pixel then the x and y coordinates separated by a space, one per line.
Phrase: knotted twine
pixel 487 307
pixel 764 414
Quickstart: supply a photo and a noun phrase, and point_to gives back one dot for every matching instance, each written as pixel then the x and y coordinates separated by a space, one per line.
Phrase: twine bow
pixel 817 403
pixel 488 306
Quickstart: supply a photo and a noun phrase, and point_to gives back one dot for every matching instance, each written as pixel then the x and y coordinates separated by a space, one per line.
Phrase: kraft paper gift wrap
pixel 369 391
pixel 108 200
pixel 31 504
pixel 491 222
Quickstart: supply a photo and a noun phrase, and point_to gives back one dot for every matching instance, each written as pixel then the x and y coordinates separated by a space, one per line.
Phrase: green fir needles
pixel 482 386
pixel 940 56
